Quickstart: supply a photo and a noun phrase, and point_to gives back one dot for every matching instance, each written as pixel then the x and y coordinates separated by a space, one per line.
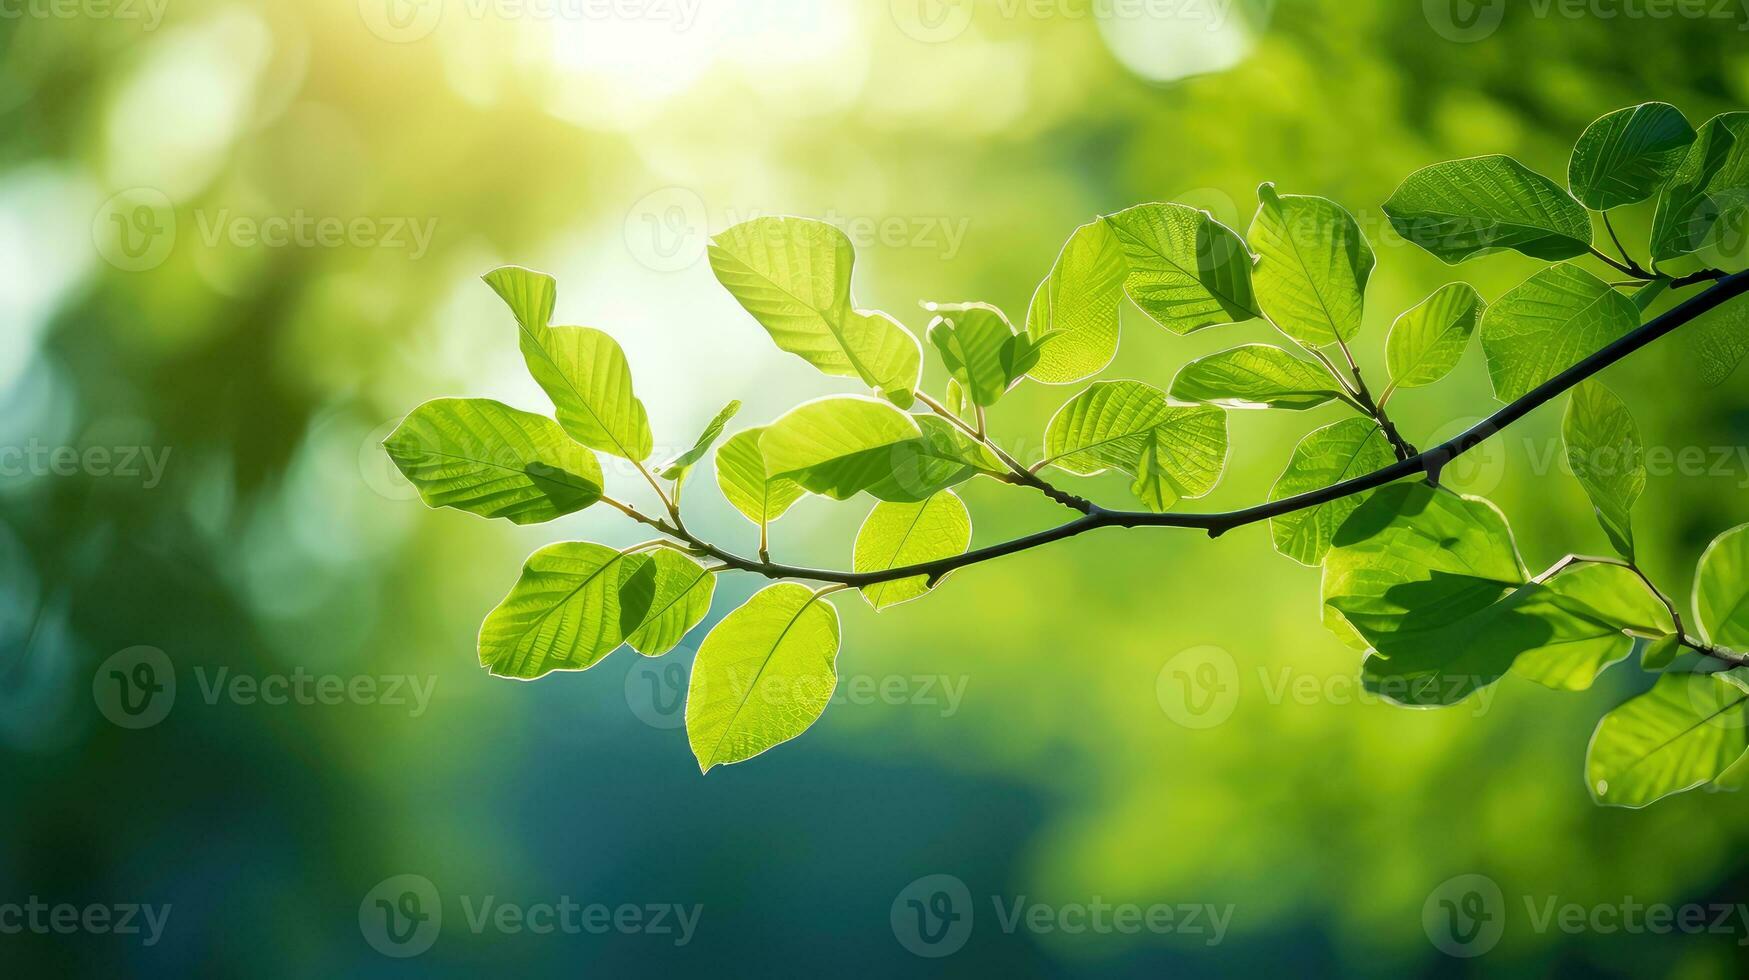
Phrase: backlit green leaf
pixel 1172 451
pixel 1606 454
pixel 1185 269
pixel 676 591
pixel 530 295
pixel 1682 734
pixel 565 612
pixel 1661 653
pixel 487 458
pixel 1349 448
pixel 1721 590
pixel 1465 208
pixel 895 535
pixel 582 370
pixel 1718 340
pixel 840 447
pixel 1549 323
pixel 941 457
pixel 1433 583
pixel 981 350
pixel 1078 302
pixel 793 276
pixel 1417 572
pixel 1626 156
pixel 677 468
pixel 762 676
pixel 1709 191
pixel 1254 376
pixel 741 473
pixel 1313 264
pixel 1588 611
pixel 1427 342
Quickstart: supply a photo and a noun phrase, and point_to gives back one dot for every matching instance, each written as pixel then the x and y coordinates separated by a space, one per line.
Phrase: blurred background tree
pixel 959 144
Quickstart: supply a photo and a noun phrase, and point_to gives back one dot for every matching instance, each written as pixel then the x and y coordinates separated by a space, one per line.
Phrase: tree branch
pixel 1424 464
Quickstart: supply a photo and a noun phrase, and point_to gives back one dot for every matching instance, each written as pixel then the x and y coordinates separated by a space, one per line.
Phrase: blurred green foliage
pixel 605 151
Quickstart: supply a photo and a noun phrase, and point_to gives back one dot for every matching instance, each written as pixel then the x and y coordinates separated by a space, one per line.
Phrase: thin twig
pixel 1623 249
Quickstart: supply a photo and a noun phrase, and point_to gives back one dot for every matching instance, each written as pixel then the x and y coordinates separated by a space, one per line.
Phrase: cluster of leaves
pixel 1428 583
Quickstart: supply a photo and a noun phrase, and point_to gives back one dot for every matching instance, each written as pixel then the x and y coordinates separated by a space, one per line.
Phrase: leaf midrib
pixel 733 715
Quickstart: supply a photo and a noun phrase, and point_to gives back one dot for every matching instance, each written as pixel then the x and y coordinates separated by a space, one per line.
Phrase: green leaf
pixel 1254 376
pixel 1682 734
pixel 896 535
pixel 1185 269
pixel 487 458
pixel 1710 186
pixel 1549 323
pixel 582 370
pixel 1628 155
pixel 1418 573
pixel 793 276
pixel 981 350
pixel 1427 342
pixel 840 447
pixel 943 457
pixel 957 403
pixel 1173 451
pixel 566 611
pixel 530 295
pixel 1349 448
pixel 1078 301
pixel 762 676
pixel 1606 454
pixel 1718 340
pixel 1588 612
pixel 1466 208
pixel 1432 581
pixel 1661 653
pixel 1721 590
pixel 677 468
pixel 677 592
pixel 1313 264
pixel 741 473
